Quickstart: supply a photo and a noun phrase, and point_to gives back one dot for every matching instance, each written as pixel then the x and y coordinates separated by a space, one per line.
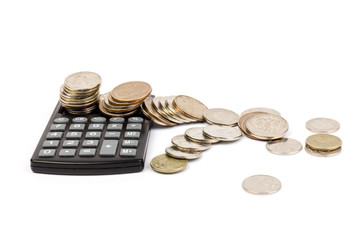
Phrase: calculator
pixel 91 144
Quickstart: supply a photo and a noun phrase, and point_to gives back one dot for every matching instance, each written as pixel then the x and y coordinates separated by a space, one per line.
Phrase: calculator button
pixel 88 152
pixel 112 135
pixel 128 152
pixel 58 127
pixel 47 153
pixel 67 152
pixel 96 126
pixel 133 135
pixel 73 135
pixel 114 126
pixel 61 120
pixel 77 126
pixel 90 143
pixel 117 120
pixel 108 148
pixel 134 126
pixel 51 144
pixel 71 143
pixel 98 120
pixel 54 135
pixel 130 143
pixel 80 120
pixel 136 120
pixel 93 135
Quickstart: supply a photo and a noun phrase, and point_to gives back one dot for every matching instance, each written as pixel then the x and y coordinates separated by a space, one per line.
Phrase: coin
pixel 261 110
pixel 261 185
pixel 150 111
pixel 186 145
pixel 150 117
pixel 322 125
pixel 242 123
pixel 264 126
pixel 196 134
pixel 190 107
pixel 165 164
pixel 221 116
pixel 175 152
pixel 167 103
pixel 323 142
pixel 222 133
pixel 82 81
pixel 131 91
pixel 319 153
pixel 284 146
pixel 156 103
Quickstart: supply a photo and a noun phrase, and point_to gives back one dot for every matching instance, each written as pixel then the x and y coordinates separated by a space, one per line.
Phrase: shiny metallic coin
pixel 110 114
pixel 261 110
pixel 242 124
pixel 222 133
pixel 318 153
pixel 322 125
pixel 82 81
pixel 175 152
pixel 186 145
pixel 190 107
pixel 156 103
pixel 147 106
pixel 166 164
pixel 167 103
pixel 196 134
pixel 284 146
pixel 261 185
pixel 323 142
pixel 264 126
pixel 131 91
pixel 151 118
pixel 221 116
pixel 113 102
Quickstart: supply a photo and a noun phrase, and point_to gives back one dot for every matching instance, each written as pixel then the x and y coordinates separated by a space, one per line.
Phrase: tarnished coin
pixel 221 116
pixel 186 145
pixel 266 126
pixel 189 106
pixel 319 153
pixel 284 146
pixel 261 185
pixel 166 164
pixel 83 81
pixel 196 134
pixel 323 142
pixel 175 152
pixel 322 125
pixel 261 110
pixel 222 133
pixel 131 91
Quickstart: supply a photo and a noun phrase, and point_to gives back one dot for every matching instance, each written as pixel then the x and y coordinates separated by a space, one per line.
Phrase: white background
pixel 299 57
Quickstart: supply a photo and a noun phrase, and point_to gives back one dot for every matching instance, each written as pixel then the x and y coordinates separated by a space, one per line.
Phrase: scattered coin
pixel 322 125
pixel 242 123
pixel 261 110
pixel 284 146
pixel 264 126
pixel 167 102
pixel 190 107
pixel 175 152
pixel 166 164
pixel 319 153
pixel 222 133
pixel 134 91
pixel 323 142
pixel 261 185
pixel 221 116
pixel 148 110
pixel 184 144
pixel 157 105
pixel 196 134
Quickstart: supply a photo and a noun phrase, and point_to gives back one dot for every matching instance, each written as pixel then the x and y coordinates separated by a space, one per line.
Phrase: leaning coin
pixel 221 116
pixel 319 153
pixel 165 164
pixel 323 142
pixel 242 124
pixel 148 107
pixel 222 133
pixel 186 145
pixel 266 126
pixel 261 185
pixel 156 103
pixel 175 152
pixel 322 125
pixel 190 107
pixel 196 134
pixel 167 103
pixel 261 110
pixel 284 146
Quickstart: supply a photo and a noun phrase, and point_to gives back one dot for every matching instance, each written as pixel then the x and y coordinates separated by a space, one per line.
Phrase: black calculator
pixel 91 144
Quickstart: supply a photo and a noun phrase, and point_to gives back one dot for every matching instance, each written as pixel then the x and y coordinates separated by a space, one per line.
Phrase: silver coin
pixel 322 125
pixel 186 145
pixel 261 185
pixel 266 126
pixel 175 152
pixel 319 153
pixel 284 146
pixel 261 110
pixel 221 116
pixel 82 81
pixel 196 134
pixel 223 133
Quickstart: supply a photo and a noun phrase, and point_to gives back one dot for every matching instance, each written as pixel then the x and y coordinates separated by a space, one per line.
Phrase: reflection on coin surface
pixel 131 91
pixel 267 126
pixel 323 142
pixel 165 164
pixel 261 110
pixel 197 134
pixel 322 125
pixel 148 108
pixel 284 146
pixel 184 144
pixel 222 133
pixel 189 106
pixel 174 152
pixel 261 185
pixel 167 102
pixel 221 116
pixel 82 81
pixel 319 153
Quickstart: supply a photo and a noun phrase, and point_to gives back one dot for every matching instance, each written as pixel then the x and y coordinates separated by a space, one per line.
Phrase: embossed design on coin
pixel 261 110
pixel 261 185
pixel 266 126
pixel 165 164
pixel 196 134
pixel 222 133
pixel 174 152
pixel 131 91
pixel 186 145
pixel 82 81
pixel 322 125
pixel 323 142
pixel 284 146
pixel 221 116
pixel 190 107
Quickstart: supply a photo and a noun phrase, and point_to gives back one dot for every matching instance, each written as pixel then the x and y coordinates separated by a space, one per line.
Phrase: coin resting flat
pixel 221 116
pixel 175 152
pixel 184 144
pixel 131 91
pixel 284 146
pixel 264 126
pixel 166 164
pixel 323 142
pixel 260 110
pixel 261 185
pixel 322 125
pixel 196 134
pixel 222 133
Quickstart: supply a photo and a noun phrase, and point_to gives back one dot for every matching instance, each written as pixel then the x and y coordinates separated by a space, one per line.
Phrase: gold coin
pixel 166 164
pixel 319 153
pixel 264 126
pixel 261 110
pixel 221 116
pixel 147 106
pixel 322 125
pixel 131 91
pixel 196 134
pixel 83 81
pixel 261 185
pixel 222 133
pixel 190 107
pixel 186 145
pixel 178 153
pixel 323 142
pixel 284 146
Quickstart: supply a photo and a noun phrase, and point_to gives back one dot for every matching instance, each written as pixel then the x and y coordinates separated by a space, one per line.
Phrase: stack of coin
pixel 80 92
pixel 125 99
